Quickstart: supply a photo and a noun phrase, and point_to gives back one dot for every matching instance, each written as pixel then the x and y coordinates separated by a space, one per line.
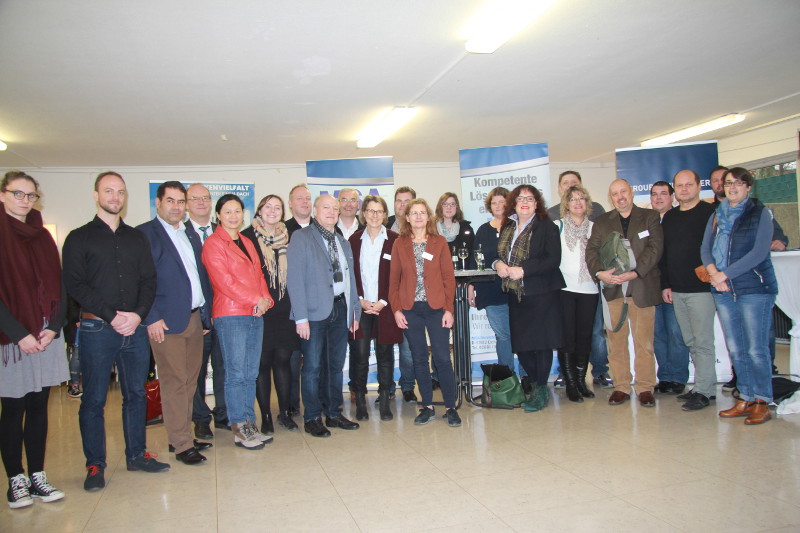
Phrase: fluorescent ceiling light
pixel 386 123
pixel 502 22
pixel 3 146
pixel 694 131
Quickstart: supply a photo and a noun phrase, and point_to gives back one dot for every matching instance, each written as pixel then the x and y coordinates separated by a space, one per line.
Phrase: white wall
pixel 758 144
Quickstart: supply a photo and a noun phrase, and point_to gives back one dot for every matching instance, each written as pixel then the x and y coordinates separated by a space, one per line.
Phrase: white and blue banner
pixel 644 166
pixel 483 169
pixel 367 175
pixel 245 191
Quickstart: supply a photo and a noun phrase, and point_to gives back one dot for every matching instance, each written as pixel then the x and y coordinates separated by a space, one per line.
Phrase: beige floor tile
pixel 357 476
pixel 314 516
pixel 482 526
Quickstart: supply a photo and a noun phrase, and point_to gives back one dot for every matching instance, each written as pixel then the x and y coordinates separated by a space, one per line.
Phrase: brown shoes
pixel 618 398
pixel 759 413
pixel 740 408
pixel 646 399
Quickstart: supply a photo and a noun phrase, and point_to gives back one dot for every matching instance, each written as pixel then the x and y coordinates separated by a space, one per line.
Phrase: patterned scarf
pixel 332 249
pixel 726 216
pixel 575 235
pixel 519 252
pixel 448 234
pixel 273 245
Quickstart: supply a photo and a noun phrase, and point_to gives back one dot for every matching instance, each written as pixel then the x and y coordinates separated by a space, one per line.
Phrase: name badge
pixel 643 234
pixel 387 257
pixel 426 255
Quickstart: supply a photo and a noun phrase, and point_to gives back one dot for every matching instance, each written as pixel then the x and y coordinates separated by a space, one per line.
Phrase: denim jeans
pixel 406 364
pixel 746 323
pixel 323 364
pixel 101 346
pixel 497 315
pixel 420 318
pixel 672 354
pixel 599 354
pixel 200 411
pixel 240 341
pixel 74 361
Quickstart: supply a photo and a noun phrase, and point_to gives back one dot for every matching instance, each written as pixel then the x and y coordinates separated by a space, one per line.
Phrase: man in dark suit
pixel 198 204
pixel 642 227
pixel 179 316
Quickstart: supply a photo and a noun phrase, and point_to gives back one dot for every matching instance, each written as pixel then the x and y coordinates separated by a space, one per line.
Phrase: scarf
pixel 273 249
pixel 30 279
pixel 726 216
pixel 449 234
pixel 519 253
pixel 575 235
pixel 332 249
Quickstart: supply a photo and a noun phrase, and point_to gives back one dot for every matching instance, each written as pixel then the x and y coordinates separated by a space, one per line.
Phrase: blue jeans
pixel 599 354
pixel 240 340
pixel 497 315
pixel 406 364
pixel 322 374
pixel 422 317
pixel 200 411
pixel 101 346
pixel 672 354
pixel 75 360
pixel 746 324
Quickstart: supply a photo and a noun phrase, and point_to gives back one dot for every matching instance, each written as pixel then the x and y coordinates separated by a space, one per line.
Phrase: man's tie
pixel 204 229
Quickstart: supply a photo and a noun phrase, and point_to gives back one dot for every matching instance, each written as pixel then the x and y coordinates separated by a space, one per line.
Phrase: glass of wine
pixel 463 253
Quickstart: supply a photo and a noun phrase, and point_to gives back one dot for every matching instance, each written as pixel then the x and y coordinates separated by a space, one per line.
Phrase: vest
pixel 758 280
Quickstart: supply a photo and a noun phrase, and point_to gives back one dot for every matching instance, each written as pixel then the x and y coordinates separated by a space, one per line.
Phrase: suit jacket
pixel 310 276
pixel 173 301
pixel 388 332
pixel 438 274
pixel 190 229
pixel 292 225
pixel 647 243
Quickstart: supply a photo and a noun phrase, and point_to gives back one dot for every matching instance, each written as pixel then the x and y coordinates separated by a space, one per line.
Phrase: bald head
pixel 620 194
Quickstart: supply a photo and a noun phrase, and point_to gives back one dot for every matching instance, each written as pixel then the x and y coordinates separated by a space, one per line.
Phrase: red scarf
pixel 30 272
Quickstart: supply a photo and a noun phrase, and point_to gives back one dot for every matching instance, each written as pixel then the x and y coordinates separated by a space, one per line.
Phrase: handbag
pixel 702 274
pixel 501 387
pixel 152 391
pixel 616 253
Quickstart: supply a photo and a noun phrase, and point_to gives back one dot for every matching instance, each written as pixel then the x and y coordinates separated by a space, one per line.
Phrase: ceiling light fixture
pixel 386 123
pixel 3 146
pixel 694 131
pixel 502 23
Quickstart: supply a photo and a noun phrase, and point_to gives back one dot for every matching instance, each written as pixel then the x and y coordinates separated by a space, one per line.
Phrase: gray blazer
pixel 310 277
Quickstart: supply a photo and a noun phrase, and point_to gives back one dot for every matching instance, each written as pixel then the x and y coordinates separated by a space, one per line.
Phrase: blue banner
pixel 367 175
pixel 245 191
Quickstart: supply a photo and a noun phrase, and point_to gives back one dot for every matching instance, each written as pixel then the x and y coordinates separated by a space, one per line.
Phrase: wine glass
pixel 463 253
pixel 479 258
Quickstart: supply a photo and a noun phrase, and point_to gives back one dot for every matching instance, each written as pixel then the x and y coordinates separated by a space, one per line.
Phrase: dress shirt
pixel 108 271
pixel 347 232
pixel 185 250
pixel 198 227
pixel 370 261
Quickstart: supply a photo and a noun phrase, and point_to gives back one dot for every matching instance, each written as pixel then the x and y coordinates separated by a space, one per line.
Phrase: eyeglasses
pixel 581 199
pixel 20 195
pixel 735 183
pixel 349 200
pixel 200 199
pixel 449 204
pixel 374 212
pixel 418 213
pixel 525 199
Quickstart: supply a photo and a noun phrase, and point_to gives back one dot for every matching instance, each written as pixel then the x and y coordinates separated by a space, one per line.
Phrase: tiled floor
pixel 572 467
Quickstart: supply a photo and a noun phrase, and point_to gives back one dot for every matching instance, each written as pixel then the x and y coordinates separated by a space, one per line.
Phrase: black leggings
pixel 537 364
pixel 276 361
pixel 32 410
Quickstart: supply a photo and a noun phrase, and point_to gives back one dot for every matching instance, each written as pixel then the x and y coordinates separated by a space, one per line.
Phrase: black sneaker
pixel 94 479
pixel 686 396
pixel 40 488
pixel 453 420
pixel 147 463
pixel 696 402
pixel 409 396
pixel 74 391
pixel 19 495
pixel 730 385
pixel 559 382
pixel 316 428
pixel 603 380
pixel 426 414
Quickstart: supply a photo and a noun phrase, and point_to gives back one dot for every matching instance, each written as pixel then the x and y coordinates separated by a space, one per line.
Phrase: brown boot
pixel 759 413
pixel 741 408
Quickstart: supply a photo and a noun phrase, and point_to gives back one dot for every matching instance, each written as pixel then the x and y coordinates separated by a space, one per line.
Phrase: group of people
pixel 281 300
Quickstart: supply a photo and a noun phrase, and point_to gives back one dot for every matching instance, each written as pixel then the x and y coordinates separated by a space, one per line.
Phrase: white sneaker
pixel 40 488
pixel 18 494
pixel 244 437
pixel 260 436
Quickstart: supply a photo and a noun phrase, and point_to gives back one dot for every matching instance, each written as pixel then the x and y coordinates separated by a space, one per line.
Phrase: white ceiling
pixel 107 82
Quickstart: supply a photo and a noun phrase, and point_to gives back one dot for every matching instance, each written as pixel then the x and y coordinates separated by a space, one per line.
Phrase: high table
pixel 787 270
pixel 462 344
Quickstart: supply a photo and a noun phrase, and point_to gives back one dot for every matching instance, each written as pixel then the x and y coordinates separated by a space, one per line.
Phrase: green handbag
pixel 501 387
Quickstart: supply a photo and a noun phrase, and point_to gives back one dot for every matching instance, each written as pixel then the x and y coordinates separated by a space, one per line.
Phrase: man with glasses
pixel 198 205
pixel 348 213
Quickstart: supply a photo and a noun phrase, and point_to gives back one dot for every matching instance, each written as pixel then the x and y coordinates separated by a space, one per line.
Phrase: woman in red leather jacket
pixel 241 298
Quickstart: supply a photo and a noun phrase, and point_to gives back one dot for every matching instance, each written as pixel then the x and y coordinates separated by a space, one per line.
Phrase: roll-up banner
pixel 483 169
pixel 245 191
pixel 642 167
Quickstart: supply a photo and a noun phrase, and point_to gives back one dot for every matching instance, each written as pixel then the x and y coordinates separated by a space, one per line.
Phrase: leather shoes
pixel 222 425
pixel 409 396
pixel 340 422
pixel 316 429
pixel 646 399
pixel 740 408
pixel 759 413
pixel 618 398
pixel 190 457
pixel 198 445
pixel 202 430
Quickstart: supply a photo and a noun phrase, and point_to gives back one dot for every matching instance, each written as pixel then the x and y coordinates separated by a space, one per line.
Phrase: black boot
pixel 361 406
pixel 266 424
pixel 568 370
pixel 384 405
pixel 582 365
pixel 285 420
